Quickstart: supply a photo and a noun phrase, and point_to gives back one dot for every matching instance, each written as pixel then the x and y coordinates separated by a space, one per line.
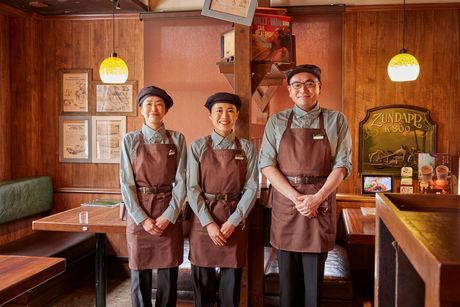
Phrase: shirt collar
pixel 150 133
pixel 312 113
pixel 220 140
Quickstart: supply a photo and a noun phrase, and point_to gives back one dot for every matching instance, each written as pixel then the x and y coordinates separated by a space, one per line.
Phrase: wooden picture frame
pixel 115 99
pixel 73 90
pixel 239 11
pixel 107 132
pixel 371 184
pixel 74 139
pixel 391 136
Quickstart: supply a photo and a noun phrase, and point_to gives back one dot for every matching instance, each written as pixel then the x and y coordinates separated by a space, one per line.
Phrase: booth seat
pixel 25 198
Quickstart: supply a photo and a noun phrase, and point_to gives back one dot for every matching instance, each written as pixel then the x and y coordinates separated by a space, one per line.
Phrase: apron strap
pixel 237 143
pixel 141 137
pixel 321 119
pixel 289 122
pixel 168 135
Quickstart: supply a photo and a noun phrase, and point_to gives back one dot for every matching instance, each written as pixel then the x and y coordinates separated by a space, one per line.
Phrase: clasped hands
pixel 307 204
pixel 219 235
pixel 155 226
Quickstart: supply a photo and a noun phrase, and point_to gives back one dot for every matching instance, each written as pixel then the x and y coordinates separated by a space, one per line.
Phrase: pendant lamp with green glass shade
pixel 113 69
pixel 403 66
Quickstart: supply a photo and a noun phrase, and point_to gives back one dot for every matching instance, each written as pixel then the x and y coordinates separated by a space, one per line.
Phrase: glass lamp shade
pixel 403 67
pixel 113 70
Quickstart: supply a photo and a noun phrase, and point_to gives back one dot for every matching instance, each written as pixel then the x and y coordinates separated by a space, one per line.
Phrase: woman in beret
pixel 152 177
pixel 221 185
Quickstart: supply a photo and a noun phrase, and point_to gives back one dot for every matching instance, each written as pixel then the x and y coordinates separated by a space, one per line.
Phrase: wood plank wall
pixel 5 102
pixel 371 37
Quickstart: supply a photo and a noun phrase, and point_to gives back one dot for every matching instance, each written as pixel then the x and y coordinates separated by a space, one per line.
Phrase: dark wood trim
pixel 315 9
pixel 115 191
pixel 396 7
pixel 7 10
pixel 177 14
pixel 355 198
pixel 94 16
pixel 140 4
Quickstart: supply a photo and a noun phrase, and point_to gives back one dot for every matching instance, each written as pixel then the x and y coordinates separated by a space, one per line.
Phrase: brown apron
pixel 304 153
pixel 154 168
pixel 222 179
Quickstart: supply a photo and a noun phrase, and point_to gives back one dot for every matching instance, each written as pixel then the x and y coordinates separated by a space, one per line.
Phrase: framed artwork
pixel 237 11
pixel 390 137
pixel 74 144
pixel 371 184
pixel 115 99
pixel 107 132
pixel 73 91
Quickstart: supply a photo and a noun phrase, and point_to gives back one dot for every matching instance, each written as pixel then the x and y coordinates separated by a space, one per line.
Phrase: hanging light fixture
pixel 403 66
pixel 113 69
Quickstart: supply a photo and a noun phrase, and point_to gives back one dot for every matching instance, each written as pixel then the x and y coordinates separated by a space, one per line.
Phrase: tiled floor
pixel 118 295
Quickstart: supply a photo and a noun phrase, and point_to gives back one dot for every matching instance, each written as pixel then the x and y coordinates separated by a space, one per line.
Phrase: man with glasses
pixel 305 154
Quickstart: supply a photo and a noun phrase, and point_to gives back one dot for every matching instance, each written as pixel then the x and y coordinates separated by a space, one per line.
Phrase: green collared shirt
pixel 194 190
pixel 129 145
pixel 335 124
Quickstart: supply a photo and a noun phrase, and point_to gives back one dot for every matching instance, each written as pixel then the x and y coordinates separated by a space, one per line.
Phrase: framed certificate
pixel 107 132
pixel 74 144
pixel 73 91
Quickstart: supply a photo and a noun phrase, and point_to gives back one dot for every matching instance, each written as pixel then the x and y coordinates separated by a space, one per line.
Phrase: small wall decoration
pixel 73 91
pixel 390 137
pixel 375 184
pixel 74 144
pixel 107 132
pixel 237 11
pixel 116 99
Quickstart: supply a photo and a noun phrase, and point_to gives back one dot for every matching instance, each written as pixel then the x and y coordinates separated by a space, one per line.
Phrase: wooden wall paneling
pixel 5 100
pixel 17 229
pixel 25 96
pixel 371 38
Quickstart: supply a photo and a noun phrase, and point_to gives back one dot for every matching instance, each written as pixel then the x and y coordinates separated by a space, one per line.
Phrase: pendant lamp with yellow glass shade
pixel 403 66
pixel 113 69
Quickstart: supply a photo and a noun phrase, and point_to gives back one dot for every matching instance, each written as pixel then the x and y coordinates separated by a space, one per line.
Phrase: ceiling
pixel 78 7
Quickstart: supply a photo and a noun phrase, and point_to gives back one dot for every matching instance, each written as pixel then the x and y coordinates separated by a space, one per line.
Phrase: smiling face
pixel 223 117
pixel 307 92
pixel 153 109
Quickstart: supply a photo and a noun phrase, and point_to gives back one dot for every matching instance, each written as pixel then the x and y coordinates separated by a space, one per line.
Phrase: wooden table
pixel 418 250
pixel 19 274
pixel 360 228
pixel 100 221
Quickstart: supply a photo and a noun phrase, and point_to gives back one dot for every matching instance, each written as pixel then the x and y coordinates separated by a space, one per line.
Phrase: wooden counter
pixel 418 250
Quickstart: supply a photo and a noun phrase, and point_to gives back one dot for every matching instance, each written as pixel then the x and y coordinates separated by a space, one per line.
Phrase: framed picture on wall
pixel 107 132
pixel 73 91
pixel 237 11
pixel 74 144
pixel 372 184
pixel 115 99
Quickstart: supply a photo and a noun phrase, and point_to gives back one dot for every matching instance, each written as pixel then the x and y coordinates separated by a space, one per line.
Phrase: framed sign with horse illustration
pixel 390 137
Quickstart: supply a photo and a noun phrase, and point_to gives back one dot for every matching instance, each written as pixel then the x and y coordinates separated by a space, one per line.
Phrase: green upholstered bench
pixel 25 198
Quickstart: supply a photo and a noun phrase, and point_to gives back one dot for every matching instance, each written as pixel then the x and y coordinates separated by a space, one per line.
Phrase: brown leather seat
pixel 337 288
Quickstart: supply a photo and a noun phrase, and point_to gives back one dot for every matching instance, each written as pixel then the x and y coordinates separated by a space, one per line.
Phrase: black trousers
pixel 141 288
pixel 301 278
pixel 206 284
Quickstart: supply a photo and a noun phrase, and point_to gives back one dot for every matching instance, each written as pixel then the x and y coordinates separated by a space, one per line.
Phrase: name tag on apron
pixel 318 137
pixel 239 157
pixel 171 152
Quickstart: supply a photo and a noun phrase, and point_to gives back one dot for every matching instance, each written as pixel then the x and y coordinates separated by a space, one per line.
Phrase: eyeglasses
pixel 308 84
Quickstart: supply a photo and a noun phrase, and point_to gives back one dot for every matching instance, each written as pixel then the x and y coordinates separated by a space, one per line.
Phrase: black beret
pixel 148 91
pixel 223 97
pixel 313 69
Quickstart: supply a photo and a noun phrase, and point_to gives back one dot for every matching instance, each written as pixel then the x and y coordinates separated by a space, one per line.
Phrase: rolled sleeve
pixel 268 151
pixel 196 201
pixel 344 146
pixel 127 183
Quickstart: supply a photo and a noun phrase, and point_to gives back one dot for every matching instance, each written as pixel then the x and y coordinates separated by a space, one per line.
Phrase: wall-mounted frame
pixel 74 134
pixel 390 137
pixel 73 89
pixel 115 99
pixel 371 184
pixel 237 11
pixel 107 132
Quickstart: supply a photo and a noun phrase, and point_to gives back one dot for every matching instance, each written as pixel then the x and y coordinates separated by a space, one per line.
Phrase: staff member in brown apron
pixel 222 185
pixel 152 177
pixel 305 154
